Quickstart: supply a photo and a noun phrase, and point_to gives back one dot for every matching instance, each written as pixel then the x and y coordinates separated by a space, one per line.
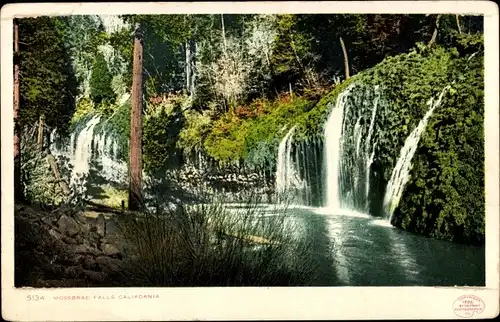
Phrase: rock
pixel 69 240
pixel 52 269
pixel 108 264
pixel 48 221
pixel 93 237
pixel 86 249
pixel 79 259
pixel 101 225
pixel 111 227
pixel 81 249
pixel 73 271
pixel 55 234
pixel 110 250
pixel 95 276
pixel 79 239
pixel 90 263
pixel 68 226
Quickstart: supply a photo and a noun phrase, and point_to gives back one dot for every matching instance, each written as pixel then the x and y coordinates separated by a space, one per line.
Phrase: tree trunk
pixel 135 177
pixel 434 34
pixel 192 60
pixel 18 189
pixel 458 25
pixel 188 67
pixel 41 126
pixel 346 59
pixel 223 33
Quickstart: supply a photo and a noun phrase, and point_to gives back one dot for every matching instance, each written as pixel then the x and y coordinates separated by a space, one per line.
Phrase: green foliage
pixel 38 181
pixel 448 175
pixel 100 81
pixel 192 135
pixel 161 132
pixel 47 82
pixel 84 107
pixel 250 133
pixel 444 197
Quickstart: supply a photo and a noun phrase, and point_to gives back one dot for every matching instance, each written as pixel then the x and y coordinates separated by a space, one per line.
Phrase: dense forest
pixel 224 90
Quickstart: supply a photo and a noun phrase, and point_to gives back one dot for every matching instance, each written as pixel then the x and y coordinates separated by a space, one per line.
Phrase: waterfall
pixel 88 149
pixel 287 177
pixel 83 149
pixel 333 149
pixel 400 173
pixel 349 149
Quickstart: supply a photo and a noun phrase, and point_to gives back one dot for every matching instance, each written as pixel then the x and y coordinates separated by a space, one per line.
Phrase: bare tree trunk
pixel 434 34
pixel 18 189
pixel 192 60
pixel 188 67
pixel 346 59
pixel 41 127
pixel 458 24
pixel 223 33
pixel 135 177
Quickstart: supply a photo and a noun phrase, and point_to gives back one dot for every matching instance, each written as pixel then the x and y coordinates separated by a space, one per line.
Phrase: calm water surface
pixel 359 250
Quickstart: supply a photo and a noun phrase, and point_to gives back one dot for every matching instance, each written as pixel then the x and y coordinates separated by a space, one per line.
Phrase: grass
pixel 212 245
pixel 112 197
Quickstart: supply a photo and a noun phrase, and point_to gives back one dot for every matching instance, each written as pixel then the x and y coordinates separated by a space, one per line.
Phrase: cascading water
pixel 400 173
pixel 83 149
pixel 333 150
pixel 287 177
pixel 88 149
pixel 350 148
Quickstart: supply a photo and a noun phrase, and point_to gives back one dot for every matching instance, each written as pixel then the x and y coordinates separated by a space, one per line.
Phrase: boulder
pixel 73 271
pixel 95 276
pixel 86 249
pixel 69 240
pixel 68 225
pixel 55 234
pixel 90 263
pixel 108 265
pixel 48 221
pixel 101 225
pixel 110 250
pixel 111 227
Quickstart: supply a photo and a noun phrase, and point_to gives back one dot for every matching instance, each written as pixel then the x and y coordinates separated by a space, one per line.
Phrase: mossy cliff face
pixel 444 196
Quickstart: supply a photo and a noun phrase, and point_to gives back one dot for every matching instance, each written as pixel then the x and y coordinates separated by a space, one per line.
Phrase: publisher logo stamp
pixel 468 305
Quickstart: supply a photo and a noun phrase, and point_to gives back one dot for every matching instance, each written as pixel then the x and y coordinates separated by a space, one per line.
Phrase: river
pixel 364 251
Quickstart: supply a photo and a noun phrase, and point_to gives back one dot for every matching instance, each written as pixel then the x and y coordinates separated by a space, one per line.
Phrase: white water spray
pixel 83 149
pixel 400 173
pixel 333 150
pixel 286 175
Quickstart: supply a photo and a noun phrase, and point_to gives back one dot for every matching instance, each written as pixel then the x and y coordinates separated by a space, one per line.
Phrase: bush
pixel 209 245
pixel 37 178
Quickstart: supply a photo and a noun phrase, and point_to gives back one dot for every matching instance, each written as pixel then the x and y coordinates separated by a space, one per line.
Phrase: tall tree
pixel 135 177
pixel 48 84
pixel 100 81
pixel 18 190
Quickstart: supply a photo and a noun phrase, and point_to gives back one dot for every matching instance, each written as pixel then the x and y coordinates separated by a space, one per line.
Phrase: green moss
pixel 251 133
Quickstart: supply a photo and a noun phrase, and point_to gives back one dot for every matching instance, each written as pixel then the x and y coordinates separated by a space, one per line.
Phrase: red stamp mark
pixel 468 305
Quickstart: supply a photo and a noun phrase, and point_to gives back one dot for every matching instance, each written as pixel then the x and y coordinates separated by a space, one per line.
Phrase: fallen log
pixel 94 206
pixel 57 175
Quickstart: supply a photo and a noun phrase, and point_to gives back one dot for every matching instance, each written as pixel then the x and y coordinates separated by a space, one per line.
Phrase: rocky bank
pixel 63 248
